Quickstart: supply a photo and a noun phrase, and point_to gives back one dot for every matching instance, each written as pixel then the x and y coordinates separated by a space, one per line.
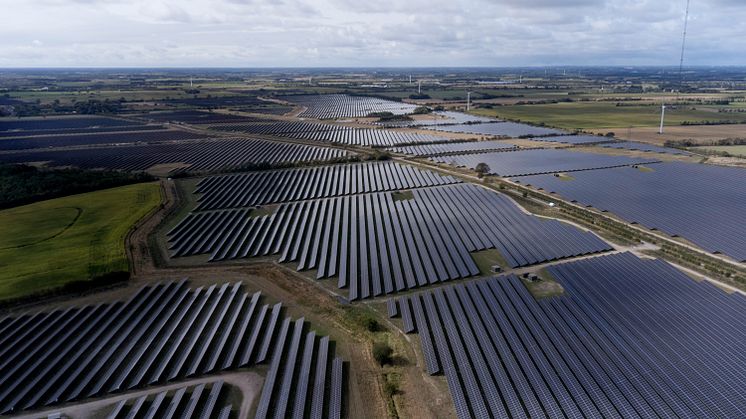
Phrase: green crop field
pixel 50 243
pixel 601 115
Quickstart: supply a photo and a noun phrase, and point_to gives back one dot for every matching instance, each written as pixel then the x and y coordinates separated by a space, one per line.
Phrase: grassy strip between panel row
pixel 70 243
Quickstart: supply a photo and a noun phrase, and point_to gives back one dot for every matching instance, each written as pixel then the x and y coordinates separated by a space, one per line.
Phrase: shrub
pixel 382 353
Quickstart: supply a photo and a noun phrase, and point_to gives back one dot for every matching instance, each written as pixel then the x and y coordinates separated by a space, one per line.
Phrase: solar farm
pixel 676 198
pixel 499 129
pixel 346 106
pixel 538 161
pixel 332 133
pixel 327 252
pixel 164 333
pixel 629 338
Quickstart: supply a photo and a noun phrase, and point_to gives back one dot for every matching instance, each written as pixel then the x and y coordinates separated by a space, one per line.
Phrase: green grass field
pixel 733 150
pixel 600 115
pixel 50 243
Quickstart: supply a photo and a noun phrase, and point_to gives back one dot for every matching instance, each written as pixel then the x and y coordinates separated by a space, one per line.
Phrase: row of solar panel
pixel 69 131
pixel 277 127
pixel 303 379
pixel 259 188
pixel 538 161
pixel 346 106
pixel 333 133
pixel 203 401
pixel 701 203
pixel 140 135
pixel 629 338
pixel 499 129
pixel 453 148
pixel 438 118
pixel 41 124
pixel 200 156
pixel 377 244
pixel 165 332
pixel 193 117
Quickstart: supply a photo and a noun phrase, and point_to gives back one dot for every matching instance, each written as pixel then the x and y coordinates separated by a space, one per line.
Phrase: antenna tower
pixel 683 44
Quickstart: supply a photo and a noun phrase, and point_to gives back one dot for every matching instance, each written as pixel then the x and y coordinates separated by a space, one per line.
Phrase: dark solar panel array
pixel 629 338
pixel 28 124
pixel 701 203
pixel 165 332
pixel 346 106
pixel 274 127
pixel 193 117
pixel 373 137
pixel 635 146
pixel 378 245
pixel 267 187
pixel 575 139
pixel 200 156
pixel 68 131
pixel 140 136
pixel 502 129
pixel 204 401
pixel 538 161
pixel 453 148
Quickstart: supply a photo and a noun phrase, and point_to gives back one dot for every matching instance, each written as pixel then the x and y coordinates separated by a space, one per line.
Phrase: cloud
pixel 356 33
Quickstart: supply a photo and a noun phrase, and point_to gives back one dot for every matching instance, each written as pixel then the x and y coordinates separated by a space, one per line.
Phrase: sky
pixel 360 33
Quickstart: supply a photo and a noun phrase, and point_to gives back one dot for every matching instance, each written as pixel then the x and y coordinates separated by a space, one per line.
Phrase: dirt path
pixel 249 383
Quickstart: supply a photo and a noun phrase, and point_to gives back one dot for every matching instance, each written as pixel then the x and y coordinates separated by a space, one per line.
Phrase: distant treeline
pixel 22 184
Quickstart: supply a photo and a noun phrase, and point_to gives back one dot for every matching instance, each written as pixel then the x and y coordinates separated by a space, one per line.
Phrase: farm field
pixel 50 243
pixel 695 133
pixel 605 115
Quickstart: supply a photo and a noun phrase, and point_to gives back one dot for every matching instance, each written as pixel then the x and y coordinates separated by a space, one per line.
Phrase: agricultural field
pixel 608 116
pixel 48 244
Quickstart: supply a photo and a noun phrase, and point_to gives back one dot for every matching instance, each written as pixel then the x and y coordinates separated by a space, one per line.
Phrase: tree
pixel 482 169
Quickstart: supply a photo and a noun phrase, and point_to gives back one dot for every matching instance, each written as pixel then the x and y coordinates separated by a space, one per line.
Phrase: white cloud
pixel 357 33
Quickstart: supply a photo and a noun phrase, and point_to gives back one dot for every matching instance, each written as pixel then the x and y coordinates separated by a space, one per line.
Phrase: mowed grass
pixel 50 243
pixel 733 150
pixel 600 115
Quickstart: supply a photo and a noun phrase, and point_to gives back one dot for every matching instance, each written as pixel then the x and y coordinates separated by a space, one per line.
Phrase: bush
pixel 370 324
pixel 421 110
pixel 390 388
pixel 382 353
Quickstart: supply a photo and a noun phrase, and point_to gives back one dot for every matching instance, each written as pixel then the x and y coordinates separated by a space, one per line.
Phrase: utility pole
pixel 663 115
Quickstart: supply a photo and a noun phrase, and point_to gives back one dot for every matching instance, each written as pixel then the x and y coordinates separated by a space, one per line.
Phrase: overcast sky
pixel 304 33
